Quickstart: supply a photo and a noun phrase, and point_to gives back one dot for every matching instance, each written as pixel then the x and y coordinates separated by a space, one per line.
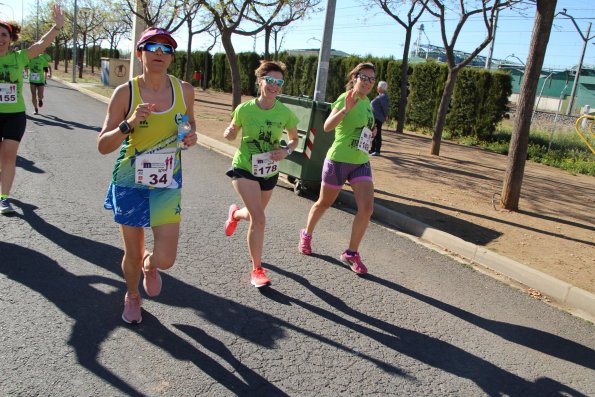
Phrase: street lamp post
pixel 579 67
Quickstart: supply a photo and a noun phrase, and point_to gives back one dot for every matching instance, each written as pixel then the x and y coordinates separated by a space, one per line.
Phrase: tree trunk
pixel 188 74
pixel 232 60
pixel 276 47
pixel 93 58
pixel 443 109
pixel 267 41
pixel 80 61
pixel 404 78
pixel 517 152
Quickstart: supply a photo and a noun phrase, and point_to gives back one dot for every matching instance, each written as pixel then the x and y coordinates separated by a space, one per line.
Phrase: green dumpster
pixel 304 166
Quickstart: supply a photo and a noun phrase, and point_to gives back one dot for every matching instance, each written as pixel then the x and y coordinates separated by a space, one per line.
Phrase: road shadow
pixel 541 341
pixel 45 120
pixel 494 381
pixel 28 165
pixel 96 314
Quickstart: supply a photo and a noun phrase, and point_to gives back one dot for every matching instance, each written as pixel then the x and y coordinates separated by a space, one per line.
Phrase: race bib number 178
pixel 263 166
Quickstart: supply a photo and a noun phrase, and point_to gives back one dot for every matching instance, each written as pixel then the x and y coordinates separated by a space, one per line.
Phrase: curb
pixel 572 299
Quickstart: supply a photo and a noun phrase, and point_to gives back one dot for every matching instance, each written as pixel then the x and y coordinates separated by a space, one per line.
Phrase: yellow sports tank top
pixel 158 133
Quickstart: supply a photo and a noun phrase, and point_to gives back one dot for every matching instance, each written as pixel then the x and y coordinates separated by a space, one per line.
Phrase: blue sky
pixel 362 32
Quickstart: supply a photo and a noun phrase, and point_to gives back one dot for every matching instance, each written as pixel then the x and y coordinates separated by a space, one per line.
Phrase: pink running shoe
pixel 305 241
pixel 152 282
pixel 354 262
pixel 258 278
pixel 231 222
pixel 131 313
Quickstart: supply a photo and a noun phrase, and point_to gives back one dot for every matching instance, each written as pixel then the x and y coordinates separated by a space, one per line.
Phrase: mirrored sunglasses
pixel 368 79
pixel 272 80
pixel 153 47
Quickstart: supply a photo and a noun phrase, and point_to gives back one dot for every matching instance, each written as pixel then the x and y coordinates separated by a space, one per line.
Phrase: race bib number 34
pixel 263 166
pixel 155 170
pixel 8 93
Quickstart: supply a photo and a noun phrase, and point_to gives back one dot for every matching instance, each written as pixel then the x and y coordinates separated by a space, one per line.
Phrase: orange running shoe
pixel 258 278
pixel 231 223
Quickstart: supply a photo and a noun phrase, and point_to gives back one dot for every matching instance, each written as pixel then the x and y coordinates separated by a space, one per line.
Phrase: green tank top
pixel 11 81
pixel 156 133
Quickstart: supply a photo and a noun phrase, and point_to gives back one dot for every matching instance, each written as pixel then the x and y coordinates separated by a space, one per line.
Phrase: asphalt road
pixel 419 324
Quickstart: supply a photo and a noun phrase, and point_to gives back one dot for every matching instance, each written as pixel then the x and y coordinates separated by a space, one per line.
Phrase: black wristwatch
pixel 288 150
pixel 125 127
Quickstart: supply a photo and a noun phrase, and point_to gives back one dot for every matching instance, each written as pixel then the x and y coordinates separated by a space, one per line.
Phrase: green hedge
pixel 479 101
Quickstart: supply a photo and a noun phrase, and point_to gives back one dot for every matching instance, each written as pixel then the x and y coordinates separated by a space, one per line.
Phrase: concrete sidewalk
pixel 562 294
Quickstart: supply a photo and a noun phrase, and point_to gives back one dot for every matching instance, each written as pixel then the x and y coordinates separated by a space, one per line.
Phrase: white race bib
pixel 155 169
pixel 365 140
pixel 8 93
pixel 35 77
pixel 263 166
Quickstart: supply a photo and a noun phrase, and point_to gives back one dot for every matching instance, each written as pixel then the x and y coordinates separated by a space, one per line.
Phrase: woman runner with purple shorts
pixel 347 160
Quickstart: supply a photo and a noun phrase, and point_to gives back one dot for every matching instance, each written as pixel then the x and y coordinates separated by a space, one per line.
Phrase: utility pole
pixel 36 22
pixel 138 26
pixel 579 67
pixel 325 52
pixel 488 64
pixel 74 45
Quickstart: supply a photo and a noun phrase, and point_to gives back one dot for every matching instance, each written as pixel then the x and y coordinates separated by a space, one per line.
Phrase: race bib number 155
pixel 8 93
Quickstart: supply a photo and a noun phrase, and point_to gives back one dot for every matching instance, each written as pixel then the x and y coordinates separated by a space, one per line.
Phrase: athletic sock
pixel 349 252
pixel 3 196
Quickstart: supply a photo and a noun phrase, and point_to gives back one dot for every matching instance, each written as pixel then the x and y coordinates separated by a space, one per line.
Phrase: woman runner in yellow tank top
pixel 145 191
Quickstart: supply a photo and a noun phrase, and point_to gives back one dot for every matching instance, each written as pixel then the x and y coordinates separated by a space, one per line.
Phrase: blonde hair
pixel 355 72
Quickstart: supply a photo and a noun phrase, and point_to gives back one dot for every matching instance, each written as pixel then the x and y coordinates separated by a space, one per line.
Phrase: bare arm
pixel 281 153
pixel 47 39
pixel 110 137
pixel 337 116
pixel 231 131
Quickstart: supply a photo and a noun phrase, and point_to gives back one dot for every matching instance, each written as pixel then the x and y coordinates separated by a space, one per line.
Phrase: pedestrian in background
pixel 12 105
pixel 142 122
pixel 347 160
pixel 380 110
pixel 255 166
pixel 39 70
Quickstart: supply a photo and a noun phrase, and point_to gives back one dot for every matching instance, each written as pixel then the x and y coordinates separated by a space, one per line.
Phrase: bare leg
pixel 40 92
pixel 8 161
pixel 165 247
pixel 33 95
pixel 134 249
pixel 325 200
pixel 255 202
pixel 364 198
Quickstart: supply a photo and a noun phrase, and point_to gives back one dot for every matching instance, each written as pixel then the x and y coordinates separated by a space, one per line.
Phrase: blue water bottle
pixel 183 128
